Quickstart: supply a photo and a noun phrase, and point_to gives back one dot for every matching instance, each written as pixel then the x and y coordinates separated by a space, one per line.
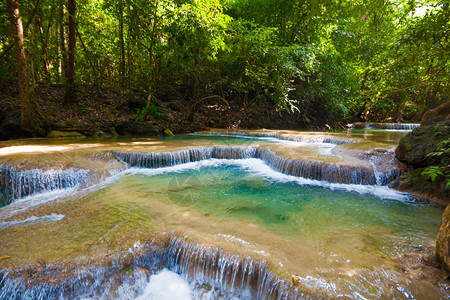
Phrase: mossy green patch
pixel 64 134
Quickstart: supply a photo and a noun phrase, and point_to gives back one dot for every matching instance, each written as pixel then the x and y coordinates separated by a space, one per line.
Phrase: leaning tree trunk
pixel 70 74
pixel 32 120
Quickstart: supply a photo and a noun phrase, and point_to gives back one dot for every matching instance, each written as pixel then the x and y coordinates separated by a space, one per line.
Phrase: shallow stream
pixel 215 217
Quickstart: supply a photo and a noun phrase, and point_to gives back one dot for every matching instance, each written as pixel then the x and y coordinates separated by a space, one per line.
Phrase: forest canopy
pixel 355 60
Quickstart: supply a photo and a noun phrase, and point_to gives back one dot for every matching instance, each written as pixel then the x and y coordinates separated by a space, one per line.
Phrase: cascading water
pixel 209 271
pixel 317 170
pixel 225 276
pixel 308 169
pixel 167 159
pixel 285 137
pixel 16 184
pixel 386 126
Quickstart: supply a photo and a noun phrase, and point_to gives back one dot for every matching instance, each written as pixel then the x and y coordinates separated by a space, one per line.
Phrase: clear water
pixel 287 206
pixel 339 240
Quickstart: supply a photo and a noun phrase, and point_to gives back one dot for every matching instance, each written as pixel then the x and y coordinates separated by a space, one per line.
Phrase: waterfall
pixel 226 272
pixel 167 159
pixel 201 265
pixel 388 126
pixel 316 170
pixel 16 184
pixel 384 165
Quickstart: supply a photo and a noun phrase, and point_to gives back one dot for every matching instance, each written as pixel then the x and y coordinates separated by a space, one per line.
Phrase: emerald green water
pixel 284 205
pixel 340 233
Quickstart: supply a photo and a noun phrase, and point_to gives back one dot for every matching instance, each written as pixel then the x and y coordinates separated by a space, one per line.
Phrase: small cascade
pixel 387 126
pixel 227 273
pixel 167 159
pixel 384 165
pixel 225 276
pixel 285 137
pixel 316 170
pixel 16 184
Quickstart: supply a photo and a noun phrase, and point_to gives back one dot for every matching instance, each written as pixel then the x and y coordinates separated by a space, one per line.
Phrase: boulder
pixel 136 128
pixel 443 239
pixel 64 134
pixel 415 146
pixel 414 150
pixel 442 112
pixel 10 126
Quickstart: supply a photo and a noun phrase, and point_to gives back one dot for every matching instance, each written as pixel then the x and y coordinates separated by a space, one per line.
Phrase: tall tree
pixel 32 120
pixel 70 73
pixel 122 45
pixel 62 41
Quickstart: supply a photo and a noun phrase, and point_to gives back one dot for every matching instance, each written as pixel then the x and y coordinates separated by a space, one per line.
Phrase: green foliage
pixel 433 172
pixel 148 112
pixel 442 151
pixel 352 60
pixel 443 148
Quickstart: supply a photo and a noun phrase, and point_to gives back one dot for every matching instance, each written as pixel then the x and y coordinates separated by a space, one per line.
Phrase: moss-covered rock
pixel 168 132
pixel 64 134
pixel 441 112
pixel 435 189
pixel 414 148
pixel 443 239
pixel 426 155
pixel 136 128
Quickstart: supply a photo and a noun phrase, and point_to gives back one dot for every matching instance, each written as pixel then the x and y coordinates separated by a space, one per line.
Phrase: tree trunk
pixel 32 120
pixel 42 34
pixel 62 40
pixel 122 45
pixel 70 73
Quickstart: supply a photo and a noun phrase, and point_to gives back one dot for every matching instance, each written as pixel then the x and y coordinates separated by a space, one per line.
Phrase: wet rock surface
pixel 427 160
pixel 418 151
pixel 414 148
pixel 136 128
pixel 443 239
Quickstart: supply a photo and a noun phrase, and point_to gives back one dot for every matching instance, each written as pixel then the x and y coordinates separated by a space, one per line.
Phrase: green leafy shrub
pixel 147 112
pixel 443 151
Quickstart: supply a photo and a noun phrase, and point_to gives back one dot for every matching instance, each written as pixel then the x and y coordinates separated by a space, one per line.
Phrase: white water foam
pixel 323 148
pixel 166 285
pixel 28 202
pixel 253 165
pixel 32 220
pixel 258 167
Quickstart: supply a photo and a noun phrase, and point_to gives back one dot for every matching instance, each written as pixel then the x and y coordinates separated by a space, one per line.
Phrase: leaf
pixel 18 229
pixel 438 153
pixel 5 257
